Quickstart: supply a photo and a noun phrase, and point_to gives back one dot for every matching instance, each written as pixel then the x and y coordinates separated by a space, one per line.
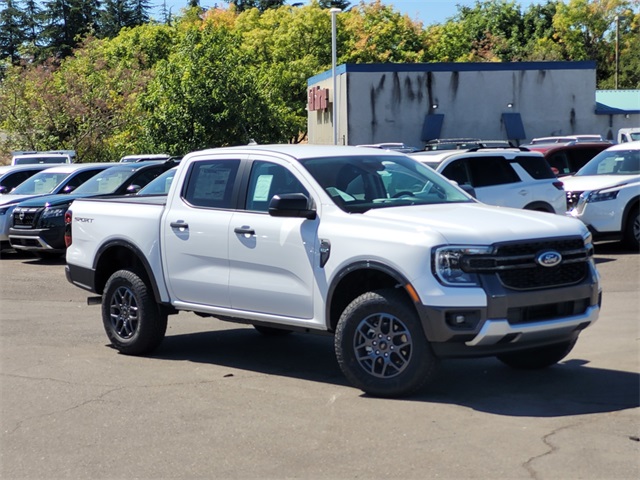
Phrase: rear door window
pixel 488 171
pixel 211 183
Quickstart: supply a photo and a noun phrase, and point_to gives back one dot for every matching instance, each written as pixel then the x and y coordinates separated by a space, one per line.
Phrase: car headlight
pixel 54 212
pixel 599 196
pixel 448 264
pixel 3 210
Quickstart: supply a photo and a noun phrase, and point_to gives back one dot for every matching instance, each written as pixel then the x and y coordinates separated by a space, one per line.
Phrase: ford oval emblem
pixel 550 258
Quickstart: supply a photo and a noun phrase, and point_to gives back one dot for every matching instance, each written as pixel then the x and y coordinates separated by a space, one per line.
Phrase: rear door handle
pixel 244 230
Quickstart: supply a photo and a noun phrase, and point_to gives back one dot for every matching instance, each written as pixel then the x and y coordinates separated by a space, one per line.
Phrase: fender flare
pixel 138 254
pixel 359 265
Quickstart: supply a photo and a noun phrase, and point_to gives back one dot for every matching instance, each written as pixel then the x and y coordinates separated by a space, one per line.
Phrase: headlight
pixel 448 265
pixel 53 212
pixel 598 196
pixel 3 210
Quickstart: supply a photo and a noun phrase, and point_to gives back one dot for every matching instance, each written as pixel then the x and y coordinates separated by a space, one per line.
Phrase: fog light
pixel 463 320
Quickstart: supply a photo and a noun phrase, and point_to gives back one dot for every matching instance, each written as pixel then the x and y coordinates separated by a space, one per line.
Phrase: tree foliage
pixel 101 78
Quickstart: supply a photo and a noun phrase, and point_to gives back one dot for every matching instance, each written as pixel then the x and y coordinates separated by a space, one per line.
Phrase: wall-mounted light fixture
pixel 510 105
pixel 434 106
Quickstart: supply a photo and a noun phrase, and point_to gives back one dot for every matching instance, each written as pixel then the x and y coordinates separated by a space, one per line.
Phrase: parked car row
pixel 604 193
pixel 32 215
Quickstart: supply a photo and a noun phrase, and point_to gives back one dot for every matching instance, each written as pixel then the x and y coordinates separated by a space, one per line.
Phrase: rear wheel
pixel 133 321
pixel 381 346
pixel 632 230
pixel 536 358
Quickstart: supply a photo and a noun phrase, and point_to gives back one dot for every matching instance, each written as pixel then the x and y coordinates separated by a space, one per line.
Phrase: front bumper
pixel 38 240
pixel 513 320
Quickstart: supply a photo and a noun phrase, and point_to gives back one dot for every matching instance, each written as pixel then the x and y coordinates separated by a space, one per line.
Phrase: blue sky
pixel 426 11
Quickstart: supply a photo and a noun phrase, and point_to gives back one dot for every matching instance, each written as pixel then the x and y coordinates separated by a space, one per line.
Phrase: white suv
pixel 507 177
pixel 605 194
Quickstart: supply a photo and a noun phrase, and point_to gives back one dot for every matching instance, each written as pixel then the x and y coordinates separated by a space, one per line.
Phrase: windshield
pixel 613 162
pixel 106 182
pixel 360 183
pixel 159 185
pixel 40 184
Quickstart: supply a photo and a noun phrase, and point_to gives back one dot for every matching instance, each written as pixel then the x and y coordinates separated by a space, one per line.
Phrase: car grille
pixel 516 267
pixel 26 217
pixel 572 199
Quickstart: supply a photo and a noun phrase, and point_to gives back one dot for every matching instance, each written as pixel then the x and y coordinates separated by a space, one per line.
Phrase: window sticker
pixel 263 185
pixel 211 183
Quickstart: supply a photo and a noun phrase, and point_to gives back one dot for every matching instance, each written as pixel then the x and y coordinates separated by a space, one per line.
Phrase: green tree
pixel 12 30
pixel 206 95
pixel 89 102
pixel 373 32
pixel 66 22
pixel 585 29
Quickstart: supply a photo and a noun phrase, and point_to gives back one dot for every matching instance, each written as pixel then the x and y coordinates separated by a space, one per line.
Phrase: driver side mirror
pixel 3 189
pixel 291 205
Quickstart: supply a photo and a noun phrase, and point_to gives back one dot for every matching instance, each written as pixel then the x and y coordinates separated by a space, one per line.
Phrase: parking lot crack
pixel 528 465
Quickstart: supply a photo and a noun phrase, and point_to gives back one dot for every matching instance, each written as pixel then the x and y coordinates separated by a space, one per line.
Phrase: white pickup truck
pixel 400 265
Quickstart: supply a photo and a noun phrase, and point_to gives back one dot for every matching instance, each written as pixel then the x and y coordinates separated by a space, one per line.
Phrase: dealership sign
pixel 317 98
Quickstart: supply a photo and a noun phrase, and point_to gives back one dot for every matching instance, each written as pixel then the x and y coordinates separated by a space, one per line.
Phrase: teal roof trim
pixel 611 102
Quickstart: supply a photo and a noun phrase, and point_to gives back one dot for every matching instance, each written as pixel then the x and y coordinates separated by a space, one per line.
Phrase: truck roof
pixel 298 151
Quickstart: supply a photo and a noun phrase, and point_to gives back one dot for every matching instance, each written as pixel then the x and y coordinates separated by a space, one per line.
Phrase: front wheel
pixel 381 346
pixel 536 358
pixel 132 320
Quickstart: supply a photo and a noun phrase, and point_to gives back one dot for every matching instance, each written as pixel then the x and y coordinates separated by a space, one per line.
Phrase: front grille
pixel 516 267
pixel 549 311
pixel 26 217
pixel 572 199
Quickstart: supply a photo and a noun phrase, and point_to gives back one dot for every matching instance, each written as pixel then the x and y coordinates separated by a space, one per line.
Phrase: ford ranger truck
pixel 402 267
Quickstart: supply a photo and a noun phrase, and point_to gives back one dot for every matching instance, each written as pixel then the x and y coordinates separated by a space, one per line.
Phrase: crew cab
pixel 401 266
pixel 37 224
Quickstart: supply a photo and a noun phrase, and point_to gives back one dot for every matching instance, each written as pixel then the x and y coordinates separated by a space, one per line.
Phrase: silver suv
pixel 507 177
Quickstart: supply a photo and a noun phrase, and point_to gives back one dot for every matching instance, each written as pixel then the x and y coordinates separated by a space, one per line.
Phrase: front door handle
pixel 180 225
pixel 244 230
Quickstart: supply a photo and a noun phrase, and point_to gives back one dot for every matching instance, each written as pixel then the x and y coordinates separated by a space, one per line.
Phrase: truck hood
pixel 477 223
pixel 588 183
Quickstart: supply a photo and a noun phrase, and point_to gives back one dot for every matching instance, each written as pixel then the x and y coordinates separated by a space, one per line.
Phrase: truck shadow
pixel 486 385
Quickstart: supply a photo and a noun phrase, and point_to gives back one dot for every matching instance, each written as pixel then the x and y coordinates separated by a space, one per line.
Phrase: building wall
pixel 388 102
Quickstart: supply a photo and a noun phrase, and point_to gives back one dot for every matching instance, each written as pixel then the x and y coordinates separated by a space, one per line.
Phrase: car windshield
pixel 613 162
pixel 159 185
pixel 40 184
pixel 361 183
pixel 105 182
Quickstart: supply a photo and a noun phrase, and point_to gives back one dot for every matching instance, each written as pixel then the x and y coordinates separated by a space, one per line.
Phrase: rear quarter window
pixel 537 167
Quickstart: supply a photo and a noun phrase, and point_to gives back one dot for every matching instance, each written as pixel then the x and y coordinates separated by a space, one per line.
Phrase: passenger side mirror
pixel 469 189
pixel 68 189
pixel 3 190
pixel 131 189
pixel 291 205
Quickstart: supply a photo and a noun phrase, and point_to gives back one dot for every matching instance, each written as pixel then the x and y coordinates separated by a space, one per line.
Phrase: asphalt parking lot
pixel 219 400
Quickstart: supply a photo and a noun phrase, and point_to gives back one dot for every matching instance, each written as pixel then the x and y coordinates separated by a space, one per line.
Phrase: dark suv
pixel 568 158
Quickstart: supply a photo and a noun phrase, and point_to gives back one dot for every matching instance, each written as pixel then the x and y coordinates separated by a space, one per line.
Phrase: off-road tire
pixel 133 321
pixel 381 346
